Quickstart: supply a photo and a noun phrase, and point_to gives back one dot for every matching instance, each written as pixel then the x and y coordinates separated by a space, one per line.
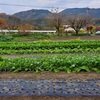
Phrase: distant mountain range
pixel 93 11
pixel 38 17
pixel 33 14
pixel 38 14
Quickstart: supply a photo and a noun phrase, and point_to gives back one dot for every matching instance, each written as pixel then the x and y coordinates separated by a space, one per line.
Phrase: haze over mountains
pixel 37 14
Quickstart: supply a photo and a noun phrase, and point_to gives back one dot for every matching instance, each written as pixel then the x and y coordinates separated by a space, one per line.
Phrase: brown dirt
pixel 49 75
pixel 96 37
pixel 48 98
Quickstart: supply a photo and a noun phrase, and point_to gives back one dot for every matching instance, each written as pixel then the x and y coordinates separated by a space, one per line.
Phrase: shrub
pixel 23 29
pixel 6 38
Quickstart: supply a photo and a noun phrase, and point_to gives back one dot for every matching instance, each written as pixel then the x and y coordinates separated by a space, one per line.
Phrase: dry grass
pixel 48 98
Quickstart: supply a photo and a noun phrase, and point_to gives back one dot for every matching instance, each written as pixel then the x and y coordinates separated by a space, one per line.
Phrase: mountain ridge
pixel 42 13
pixel 95 12
pixel 33 13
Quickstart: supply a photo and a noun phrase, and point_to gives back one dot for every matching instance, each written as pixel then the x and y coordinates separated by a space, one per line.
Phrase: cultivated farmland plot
pixel 45 57
pixel 67 64
pixel 57 62
pixel 50 47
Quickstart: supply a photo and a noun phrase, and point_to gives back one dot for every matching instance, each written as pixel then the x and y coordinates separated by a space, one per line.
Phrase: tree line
pixel 54 21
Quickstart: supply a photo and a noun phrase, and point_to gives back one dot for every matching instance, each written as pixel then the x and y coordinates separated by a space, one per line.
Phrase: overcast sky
pixel 13 6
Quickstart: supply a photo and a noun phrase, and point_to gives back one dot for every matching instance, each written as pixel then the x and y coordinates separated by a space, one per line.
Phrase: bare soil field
pixel 48 98
pixel 48 75
pixel 96 37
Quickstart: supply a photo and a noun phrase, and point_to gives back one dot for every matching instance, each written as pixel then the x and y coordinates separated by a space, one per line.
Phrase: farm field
pixel 62 60
pixel 67 64
pixel 55 47
pixel 48 51
pixel 49 59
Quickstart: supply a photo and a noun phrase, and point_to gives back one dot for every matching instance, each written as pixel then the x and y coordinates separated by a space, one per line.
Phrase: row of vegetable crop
pixel 56 50
pixel 55 64
pixel 49 45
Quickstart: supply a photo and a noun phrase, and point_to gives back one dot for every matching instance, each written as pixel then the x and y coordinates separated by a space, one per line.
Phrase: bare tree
pixel 3 23
pixel 24 29
pixel 56 19
pixel 13 22
pixel 78 21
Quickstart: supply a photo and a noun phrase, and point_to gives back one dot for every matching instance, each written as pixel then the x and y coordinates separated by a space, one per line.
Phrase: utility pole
pixel 54 10
pixel 87 11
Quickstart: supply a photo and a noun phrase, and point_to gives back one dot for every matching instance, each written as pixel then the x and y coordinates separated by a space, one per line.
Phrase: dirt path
pixel 48 98
pixel 96 37
pixel 49 75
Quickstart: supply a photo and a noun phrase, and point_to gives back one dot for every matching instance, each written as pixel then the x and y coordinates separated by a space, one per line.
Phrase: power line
pixel 23 5
pixel 6 4
pixel 61 7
